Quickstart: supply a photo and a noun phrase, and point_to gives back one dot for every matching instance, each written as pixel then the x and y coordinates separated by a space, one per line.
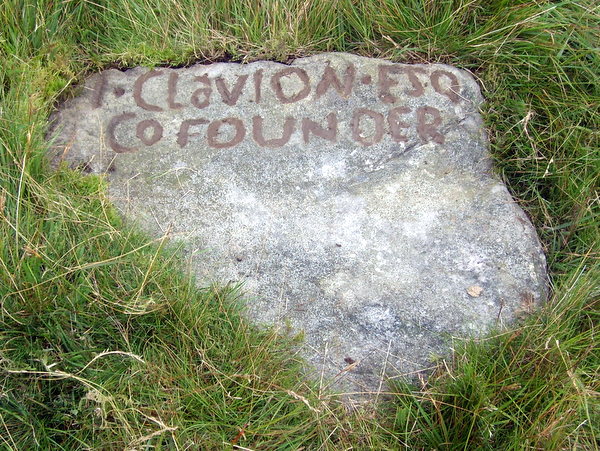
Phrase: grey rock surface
pixel 352 197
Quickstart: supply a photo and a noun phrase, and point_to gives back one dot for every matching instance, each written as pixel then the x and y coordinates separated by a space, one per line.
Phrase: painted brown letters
pixel 183 135
pixel 355 126
pixel 412 72
pixel 172 92
pixel 213 132
pixel 329 133
pixel 453 91
pixel 258 75
pixel 99 89
pixel 365 126
pixel 385 82
pixel 231 97
pixel 330 78
pixel 111 130
pixel 206 92
pixel 257 132
pixel 157 131
pixel 278 90
pixel 138 87
pixel 427 130
pixel 396 125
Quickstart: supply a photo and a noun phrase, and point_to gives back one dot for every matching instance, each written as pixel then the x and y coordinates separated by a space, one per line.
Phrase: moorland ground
pixel 105 342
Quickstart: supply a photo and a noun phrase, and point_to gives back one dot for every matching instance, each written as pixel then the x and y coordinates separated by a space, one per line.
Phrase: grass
pixel 106 343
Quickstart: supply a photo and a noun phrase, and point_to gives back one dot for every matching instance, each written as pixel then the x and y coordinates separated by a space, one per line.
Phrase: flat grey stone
pixel 352 197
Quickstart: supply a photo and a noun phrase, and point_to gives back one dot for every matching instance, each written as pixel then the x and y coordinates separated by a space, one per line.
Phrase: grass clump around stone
pixel 105 343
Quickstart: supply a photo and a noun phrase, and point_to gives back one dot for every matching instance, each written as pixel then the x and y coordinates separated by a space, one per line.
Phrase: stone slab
pixel 352 197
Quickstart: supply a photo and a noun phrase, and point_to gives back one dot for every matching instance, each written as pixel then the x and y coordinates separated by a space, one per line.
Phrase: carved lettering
pixel 99 90
pixel 227 96
pixel 355 126
pixel 329 133
pixel 184 130
pixel 414 80
pixel 206 92
pixel 396 125
pixel 258 76
pixel 453 91
pixel 172 92
pixel 138 87
pixel 330 78
pixel 257 132
pixel 213 132
pixel 277 88
pixel 428 131
pixel 157 131
pixel 400 121
pixel 385 82
pixel 111 129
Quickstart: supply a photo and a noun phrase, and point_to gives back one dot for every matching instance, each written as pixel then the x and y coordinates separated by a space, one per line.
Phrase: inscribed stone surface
pixel 352 197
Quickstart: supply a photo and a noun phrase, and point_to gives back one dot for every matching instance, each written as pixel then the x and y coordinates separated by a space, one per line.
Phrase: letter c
pixel 138 86
pixel 110 132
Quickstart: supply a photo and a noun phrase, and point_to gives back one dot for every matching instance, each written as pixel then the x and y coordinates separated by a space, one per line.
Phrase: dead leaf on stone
pixel 474 291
